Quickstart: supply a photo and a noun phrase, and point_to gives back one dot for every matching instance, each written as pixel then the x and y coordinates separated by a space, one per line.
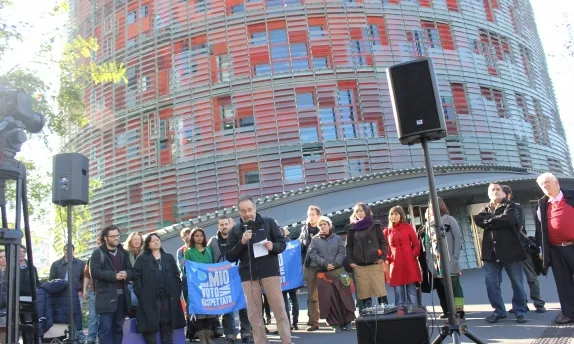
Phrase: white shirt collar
pixel 556 199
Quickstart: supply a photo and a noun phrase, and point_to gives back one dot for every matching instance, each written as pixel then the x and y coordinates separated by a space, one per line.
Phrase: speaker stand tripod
pixel 20 316
pixel 454 328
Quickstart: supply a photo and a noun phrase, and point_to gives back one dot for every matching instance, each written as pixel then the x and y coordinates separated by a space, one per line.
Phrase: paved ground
pixel 538 330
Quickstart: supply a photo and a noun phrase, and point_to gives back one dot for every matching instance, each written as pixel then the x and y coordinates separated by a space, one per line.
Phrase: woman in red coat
pixel 402 256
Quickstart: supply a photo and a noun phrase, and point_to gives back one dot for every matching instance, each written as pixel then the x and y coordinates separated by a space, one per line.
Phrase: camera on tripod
pixel 17 116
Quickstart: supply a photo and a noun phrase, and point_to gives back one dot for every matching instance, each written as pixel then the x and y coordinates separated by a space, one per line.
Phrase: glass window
pixel 237 9
pixel 356 167
pixel 300 64
pixel 448 108
pixel 305 100
pixel 433 38
pixel 144 11
pixel 299 50
pixel 201 6
pixel 280 52
pixel 251 177
pixel 262 69
pixel 315 31
pixel 278 36
pixel 327 115
pixel 293 172
pixel 320 63
pixel 132 80
pixel 132 17
pixel 345 98
pixel 228 116
pixel 259 38
pixel 145 83
pixel 224 64
pixel 349 131
pixel 369 129
pixel 281 67
pixel 371 32
pixel 329 132
pixel 309 134
pixel 246 122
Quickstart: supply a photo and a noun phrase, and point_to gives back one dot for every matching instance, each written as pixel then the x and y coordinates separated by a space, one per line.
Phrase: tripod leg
pixel 455 337
pixel 444 332
pixel 470 335
pixel 23 188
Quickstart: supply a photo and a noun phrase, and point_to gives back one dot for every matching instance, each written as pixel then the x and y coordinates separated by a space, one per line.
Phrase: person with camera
pixel 219 246
pixel 111 270
pixel 256 242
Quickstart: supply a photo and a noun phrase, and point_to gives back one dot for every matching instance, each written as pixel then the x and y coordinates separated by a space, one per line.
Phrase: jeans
pixel 493 279
pixel 292 295
pixel 406 294
pixel 93 318
pixel 228 323
pixel 133 296
pixel 111 326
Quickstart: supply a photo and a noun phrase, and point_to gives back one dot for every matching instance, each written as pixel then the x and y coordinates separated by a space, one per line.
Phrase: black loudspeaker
pixel 416 101
pixel 70 180
pixel 394 328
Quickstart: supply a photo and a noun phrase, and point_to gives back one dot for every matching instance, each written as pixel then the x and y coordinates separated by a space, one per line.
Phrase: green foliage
pixel 81 215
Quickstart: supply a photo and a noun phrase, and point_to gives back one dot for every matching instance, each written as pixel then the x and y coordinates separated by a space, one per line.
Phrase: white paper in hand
pixel 259 249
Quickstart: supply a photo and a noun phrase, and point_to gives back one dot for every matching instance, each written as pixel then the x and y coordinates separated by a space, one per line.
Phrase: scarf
pixel 194 255
pixel 363 224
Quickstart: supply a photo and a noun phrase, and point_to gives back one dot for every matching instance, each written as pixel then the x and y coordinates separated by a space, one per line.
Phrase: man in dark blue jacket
pixel 256 242
pixel 111 270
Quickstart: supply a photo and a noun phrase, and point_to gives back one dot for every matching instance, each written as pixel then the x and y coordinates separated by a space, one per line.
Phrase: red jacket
pixel 402 255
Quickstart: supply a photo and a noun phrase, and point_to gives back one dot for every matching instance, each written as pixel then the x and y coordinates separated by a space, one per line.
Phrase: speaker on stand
pixel 70 187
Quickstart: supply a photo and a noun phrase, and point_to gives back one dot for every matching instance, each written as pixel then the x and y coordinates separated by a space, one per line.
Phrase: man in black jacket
pixel 502 248
pixel 256 242
pixel 555 235
pixel 59 270
pixel 111 269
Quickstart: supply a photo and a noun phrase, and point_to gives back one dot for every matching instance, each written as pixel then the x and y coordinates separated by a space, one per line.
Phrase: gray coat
pixel 453 237
pixel 219 247
pixel 326 250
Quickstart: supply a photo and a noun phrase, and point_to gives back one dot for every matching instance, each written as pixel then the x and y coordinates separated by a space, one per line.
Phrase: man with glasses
pixel 111 270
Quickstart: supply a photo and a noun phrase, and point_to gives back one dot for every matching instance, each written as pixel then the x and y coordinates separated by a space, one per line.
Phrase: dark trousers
pixel 111 326
pixel 532 279
pixel 266 310
pixel 228 322
pixel 562 262
pixel 292 295
pixel 165 329
pixel 457 292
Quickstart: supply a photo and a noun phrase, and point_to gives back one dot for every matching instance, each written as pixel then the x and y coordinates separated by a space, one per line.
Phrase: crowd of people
pixel 144 282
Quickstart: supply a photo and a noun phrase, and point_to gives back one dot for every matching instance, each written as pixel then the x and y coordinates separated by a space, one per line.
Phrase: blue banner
pixel 214 288
pixel 290 266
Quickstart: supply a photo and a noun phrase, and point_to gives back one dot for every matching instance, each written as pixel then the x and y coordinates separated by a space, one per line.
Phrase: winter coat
pixel 366 247
pixel 453 237
pixel 307 232
pixel 326 250
pixel 501 238
pixel 45 302
pixel 59 269
pixel 25 282
pixel 403 255
pixel 219 247
pixel 104 277
pixel 60 308
pixel 261 267
pixel 145 277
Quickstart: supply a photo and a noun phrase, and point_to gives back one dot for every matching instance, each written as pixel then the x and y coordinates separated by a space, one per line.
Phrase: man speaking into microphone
pixel 256 242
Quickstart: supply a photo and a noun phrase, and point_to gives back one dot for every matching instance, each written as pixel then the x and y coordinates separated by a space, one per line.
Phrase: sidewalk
pixel 540 329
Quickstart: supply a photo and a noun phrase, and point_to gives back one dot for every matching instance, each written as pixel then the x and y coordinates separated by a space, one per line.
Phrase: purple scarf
pixel 363 224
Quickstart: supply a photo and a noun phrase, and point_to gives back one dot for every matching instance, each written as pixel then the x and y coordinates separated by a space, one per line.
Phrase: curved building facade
pixel 263 97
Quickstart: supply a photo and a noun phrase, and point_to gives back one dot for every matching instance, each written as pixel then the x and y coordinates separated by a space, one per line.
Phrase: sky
pixel 551 22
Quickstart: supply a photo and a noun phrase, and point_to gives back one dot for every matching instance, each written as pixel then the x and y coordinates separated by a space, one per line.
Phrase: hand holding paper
pixel 260 248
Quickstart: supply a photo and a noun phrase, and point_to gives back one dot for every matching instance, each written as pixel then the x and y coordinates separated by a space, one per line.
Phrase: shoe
pixel 521 319
pixel 511 311
pixel 309 323
pixel 312 328
pixel 540 309
pixel 562 320
pixel 295 327
pixel 229 340
pixel 348 327
pixel 246 339
pixel 337 328
pixel 491 319
pixel 443 316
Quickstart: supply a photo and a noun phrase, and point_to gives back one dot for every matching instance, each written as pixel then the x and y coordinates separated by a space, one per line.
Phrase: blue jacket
pixel 45 311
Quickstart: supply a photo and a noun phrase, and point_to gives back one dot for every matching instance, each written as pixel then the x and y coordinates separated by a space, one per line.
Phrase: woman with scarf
pixel 366 254
pixel 334 286
pixel 403 255
pixel 453 237
pixel 199 252
pixel 158 285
